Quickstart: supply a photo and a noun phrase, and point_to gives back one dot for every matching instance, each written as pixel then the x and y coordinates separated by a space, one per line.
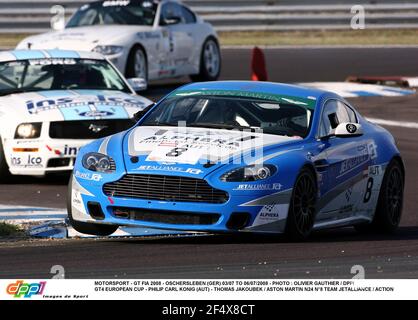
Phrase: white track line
pixel 391 123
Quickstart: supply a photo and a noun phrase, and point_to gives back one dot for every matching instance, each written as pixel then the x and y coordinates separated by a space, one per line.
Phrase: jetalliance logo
pixel 20 289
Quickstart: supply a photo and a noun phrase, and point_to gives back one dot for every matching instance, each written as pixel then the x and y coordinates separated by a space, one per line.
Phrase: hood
pixel 193 152
pixel 82 38
pixel 58 105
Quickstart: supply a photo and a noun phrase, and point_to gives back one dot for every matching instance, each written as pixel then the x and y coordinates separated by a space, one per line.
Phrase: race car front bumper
pixel 240 213
pixel 37 157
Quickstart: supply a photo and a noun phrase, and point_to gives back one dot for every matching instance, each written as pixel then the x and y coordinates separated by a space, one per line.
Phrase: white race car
pixel 53 102
pixel 142 38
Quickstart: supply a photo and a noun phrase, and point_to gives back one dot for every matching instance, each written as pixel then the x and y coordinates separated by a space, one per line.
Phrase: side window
pixel 328 119
pixel 335 112
pixel 350 112
pixel 171 10
pixel 188 16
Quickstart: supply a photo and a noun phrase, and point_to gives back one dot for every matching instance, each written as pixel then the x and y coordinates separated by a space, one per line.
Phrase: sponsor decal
pixel 271 213
pixel 96 114
pixel 352 163
pixel 21 289
pixel 375 171
pixel 189 146
pixel 89 176
pixel 116 3
pixel 34 107
pixel 54 61
pixel 351 128
pixel 149 35
pixel 29 161
pixel 170 169
pixel 259 187
pixel 68 151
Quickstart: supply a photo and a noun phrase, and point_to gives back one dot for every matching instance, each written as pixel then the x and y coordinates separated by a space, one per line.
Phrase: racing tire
pixel 210 62
pixel 95 229
pixel 5 174
pixel 302 208
pixel 137 64
pixel 389 206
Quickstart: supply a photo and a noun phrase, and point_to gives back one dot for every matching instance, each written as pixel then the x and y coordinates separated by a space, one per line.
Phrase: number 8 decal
pixel 368 193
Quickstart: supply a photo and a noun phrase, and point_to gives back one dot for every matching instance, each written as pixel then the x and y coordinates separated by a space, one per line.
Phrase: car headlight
pixel 249 173
pixel 94 161
pixel 108 50
pixel 28 130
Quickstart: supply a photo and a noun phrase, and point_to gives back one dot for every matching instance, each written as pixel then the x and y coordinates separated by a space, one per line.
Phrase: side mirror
pixel 172 20
pixel 348 129
pixel 138 115
pixel 138 84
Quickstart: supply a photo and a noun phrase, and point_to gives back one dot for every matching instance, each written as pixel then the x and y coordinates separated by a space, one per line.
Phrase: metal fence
pixel 28 16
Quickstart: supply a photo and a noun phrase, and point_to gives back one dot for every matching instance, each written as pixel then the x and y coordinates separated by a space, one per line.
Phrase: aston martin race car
pixel 142 38
pixel 241 157
pixel 53 102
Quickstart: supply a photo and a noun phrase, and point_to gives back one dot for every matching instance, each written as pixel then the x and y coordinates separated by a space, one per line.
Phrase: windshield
pixel 223 112
pixel 115 12
pixel 58 74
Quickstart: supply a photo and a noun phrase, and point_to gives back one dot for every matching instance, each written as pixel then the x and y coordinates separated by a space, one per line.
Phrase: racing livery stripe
pixel 28 54
pixel 55 93
pixel 63 54
pixel 275 198
pixel 103 146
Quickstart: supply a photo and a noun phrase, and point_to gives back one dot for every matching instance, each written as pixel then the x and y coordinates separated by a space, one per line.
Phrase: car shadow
pixel 347 234
pixel 49 179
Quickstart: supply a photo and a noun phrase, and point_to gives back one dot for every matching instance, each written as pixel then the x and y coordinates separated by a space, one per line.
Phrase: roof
pixel 257 87
pixel 17 55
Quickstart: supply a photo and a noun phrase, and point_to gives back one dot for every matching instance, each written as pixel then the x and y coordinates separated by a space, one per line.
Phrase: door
pixel 345 167
pixel 175 22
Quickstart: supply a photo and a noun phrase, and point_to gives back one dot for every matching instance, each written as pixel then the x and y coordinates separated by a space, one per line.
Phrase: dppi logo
pixel 27 290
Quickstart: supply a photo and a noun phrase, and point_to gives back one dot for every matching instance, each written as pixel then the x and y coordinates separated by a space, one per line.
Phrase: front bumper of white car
pixel 39 156
pixel 57 146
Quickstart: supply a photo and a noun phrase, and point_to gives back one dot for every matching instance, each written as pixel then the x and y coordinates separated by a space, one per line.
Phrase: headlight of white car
pixel 249 173
pixel 108 50
pixel 98 162
pixel 28 130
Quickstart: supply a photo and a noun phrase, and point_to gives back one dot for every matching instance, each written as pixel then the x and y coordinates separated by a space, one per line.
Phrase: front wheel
pixel 95 229
pixel 389 206
pixel 137 65
pixel 210 62
pixel 302 208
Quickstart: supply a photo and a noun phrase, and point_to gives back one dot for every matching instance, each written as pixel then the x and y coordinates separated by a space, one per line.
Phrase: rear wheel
pixel 4 168
pixel 389 206
pixel 210 62
pixel 302 209
pixel 86 227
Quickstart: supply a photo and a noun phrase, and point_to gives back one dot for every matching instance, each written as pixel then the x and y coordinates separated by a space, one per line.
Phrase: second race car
pixel 241 157
pixel 142 38
pixel 53 102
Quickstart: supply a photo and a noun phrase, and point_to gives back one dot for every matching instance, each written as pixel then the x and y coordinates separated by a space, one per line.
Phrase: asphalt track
pixel 328 254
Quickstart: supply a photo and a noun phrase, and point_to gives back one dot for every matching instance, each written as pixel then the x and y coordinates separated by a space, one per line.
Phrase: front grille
pixel 165 188
pixel 167 217
pixel 88 129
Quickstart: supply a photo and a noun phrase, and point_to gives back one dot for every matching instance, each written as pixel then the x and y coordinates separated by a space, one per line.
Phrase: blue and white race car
pixel 241 157
pixel 52 102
